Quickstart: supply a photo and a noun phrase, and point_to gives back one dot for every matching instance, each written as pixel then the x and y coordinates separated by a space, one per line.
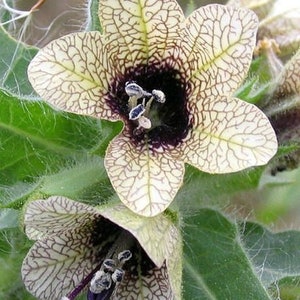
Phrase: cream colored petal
pixel 145 180
pixel 222 39
pixel 158 236
pixel 229 135
pixel 73 74
pixel 55 265
pixel 139 31
pixel 54 215
pixel 160 239
pixel 153 286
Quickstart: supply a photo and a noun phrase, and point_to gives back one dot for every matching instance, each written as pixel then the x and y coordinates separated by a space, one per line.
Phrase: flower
pixel 279 22
pixel 170 80
pixel 128 255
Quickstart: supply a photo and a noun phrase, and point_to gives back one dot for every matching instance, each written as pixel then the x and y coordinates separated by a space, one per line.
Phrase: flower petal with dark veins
pixel 222 41
pixel 146 180
pixel 229 135
pixel 73 74
pixel 139 31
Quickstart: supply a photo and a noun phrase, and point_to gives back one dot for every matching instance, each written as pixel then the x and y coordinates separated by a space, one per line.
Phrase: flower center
pixel 140 103
pixel 104 279
pixel 152 100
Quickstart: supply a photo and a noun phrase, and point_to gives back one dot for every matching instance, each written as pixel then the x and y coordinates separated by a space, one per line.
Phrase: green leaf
pixel 13 247
pixel 39 138
pixel 36 141
pixel 86 180
pixel 286 289
pixel 207 189
pixel 260 70
pixel 218 189
pixel 215 263
pixel 8 218
pixel 220 257
pixel 280 197
pixel 14 59
pixel 274 256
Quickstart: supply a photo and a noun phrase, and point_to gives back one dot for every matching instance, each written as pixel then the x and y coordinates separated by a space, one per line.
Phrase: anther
pixel 134 90
pixel 109 265
pixel 136 112
pixel 159 96
pixel 118 275
pixel 100 282
pixel 124 256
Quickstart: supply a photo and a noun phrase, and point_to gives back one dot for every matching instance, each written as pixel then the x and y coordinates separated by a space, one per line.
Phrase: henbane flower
pixel 108 252
pixel 170 79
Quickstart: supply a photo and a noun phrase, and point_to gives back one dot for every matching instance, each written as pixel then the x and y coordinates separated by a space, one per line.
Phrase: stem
pixel 37 5
pixel 78 289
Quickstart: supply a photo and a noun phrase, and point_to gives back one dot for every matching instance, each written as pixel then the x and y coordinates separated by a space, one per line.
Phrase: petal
pixel 146 181
pixel 56 214
pixel 55 265
pixel 153 286
pixel 165 237
pixel 139 31
pixel 222 40
pixel 72 73
pixel 229 135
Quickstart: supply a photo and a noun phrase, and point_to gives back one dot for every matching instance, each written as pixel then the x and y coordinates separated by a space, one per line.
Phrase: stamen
pixel 141 111
pixel 78 289
pixel 159 96
pixel 167 117
pixel 134 90
pixel 109 265
pixel 124 256
pixel 118 275
pixel 148 105
pixel 110 273
pixel 100 282
pixel 102 279
pixel 136 112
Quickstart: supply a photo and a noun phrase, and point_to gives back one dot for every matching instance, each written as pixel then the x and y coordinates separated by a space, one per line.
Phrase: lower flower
pixel 107 252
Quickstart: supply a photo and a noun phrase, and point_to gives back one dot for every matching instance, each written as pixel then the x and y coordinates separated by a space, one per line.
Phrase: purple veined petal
pixel 73 73
pixel 139 31
pixel 146 181
pixel 222 39
pixel 229 135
